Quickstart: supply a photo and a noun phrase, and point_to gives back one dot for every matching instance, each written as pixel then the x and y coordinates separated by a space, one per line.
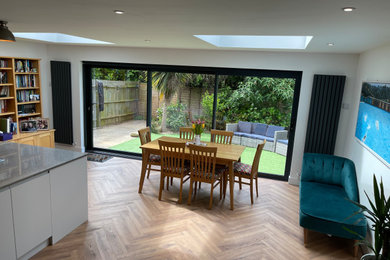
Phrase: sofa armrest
pixel 349 180
pixel 280 135
pixel 233 127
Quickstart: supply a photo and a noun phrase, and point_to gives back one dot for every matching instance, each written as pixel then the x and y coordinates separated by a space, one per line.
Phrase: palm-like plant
pixel 379 214
pixel 168 83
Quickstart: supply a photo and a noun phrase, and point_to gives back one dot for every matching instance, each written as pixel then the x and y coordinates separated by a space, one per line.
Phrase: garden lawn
pixel 269 162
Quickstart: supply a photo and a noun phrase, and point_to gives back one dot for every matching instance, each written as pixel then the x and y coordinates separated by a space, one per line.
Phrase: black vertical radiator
pixel 324 114
pixel 62 101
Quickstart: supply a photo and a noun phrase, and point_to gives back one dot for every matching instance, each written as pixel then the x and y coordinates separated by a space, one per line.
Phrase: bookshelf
pixel 20 89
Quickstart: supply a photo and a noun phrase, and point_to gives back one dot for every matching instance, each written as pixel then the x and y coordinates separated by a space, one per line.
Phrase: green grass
pixel 269 162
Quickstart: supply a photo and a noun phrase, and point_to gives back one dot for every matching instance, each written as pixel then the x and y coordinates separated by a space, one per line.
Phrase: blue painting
pixel 373 123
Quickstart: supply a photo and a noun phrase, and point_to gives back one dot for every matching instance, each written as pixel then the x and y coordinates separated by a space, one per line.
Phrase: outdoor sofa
pixel 251 134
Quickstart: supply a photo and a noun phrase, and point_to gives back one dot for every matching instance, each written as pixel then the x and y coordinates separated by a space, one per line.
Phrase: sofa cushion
pixel 283 141
pixel 259 128
pixel 260 137
pixel 271 130
pixel 328 202
pixel 239 133
pixel 245 127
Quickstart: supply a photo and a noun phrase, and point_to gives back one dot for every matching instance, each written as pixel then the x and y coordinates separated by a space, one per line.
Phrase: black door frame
pixel 87 82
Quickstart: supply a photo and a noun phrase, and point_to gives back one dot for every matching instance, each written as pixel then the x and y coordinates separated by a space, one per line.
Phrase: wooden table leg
pixel 145 156
pixel 231 182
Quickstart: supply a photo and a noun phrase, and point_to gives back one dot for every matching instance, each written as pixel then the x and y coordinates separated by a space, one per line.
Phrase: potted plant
pixel 379 215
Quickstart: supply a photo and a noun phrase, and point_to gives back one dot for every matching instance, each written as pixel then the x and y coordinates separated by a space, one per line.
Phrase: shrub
pixel 176 116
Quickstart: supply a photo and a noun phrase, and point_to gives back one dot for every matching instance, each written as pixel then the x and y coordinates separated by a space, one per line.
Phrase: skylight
pixel 58 38
pixel 258 42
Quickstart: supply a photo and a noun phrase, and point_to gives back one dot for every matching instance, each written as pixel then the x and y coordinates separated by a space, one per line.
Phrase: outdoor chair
pixel 186 133
pixel 154 159
pixel 221 136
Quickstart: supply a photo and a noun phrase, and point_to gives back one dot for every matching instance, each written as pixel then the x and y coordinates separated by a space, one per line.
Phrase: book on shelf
pixel 3 77
pixel 3 106
pixel 24 66
pixel 4 91
pixel 25 81
pixel 26 109
pixel 5 125
pixel 3 64
pixel 27 96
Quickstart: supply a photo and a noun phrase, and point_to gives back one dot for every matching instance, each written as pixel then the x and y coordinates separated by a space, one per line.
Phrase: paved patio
pixel 108 136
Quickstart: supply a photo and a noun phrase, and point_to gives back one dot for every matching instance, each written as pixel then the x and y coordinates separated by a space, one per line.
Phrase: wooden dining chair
pixel 249 172
pixel 203 169
pixel 221 136
pixel 172 164
pixel 154 159
pixel 186 133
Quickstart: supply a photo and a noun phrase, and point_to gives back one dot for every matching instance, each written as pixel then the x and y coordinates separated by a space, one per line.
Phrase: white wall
pixel 37 51
pixel 310 64
pixel 373 66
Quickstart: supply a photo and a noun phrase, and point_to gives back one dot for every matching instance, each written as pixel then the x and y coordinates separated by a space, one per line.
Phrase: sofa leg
pixel 305 235
pixel 355 248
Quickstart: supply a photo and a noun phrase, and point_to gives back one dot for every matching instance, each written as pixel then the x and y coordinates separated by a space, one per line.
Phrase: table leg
pixel 231 182
pixel 145 156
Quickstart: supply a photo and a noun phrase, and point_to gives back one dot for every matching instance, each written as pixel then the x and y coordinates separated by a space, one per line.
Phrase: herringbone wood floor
pixel 126 225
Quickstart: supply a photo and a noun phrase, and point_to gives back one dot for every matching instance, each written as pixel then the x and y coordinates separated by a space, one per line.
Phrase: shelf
pixel 29 102
pixel 5 98
pixel 26 73
pixel 27 88
pixel 29 115
pixel 7 113
pixel 6 84
pixel 5 68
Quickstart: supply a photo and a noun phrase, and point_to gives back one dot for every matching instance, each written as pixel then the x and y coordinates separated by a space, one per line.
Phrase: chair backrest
pixel 221 136
pixel 256 160
pixel 144 135
pixel 203 162
pixel 186 133
pixel 172 158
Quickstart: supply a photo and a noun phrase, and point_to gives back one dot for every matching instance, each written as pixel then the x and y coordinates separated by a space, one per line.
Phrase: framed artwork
pixel 373 122
pixel 42 124
pixel 28 126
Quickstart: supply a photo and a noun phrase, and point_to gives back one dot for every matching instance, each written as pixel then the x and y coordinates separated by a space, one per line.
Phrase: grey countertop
pixel 20 161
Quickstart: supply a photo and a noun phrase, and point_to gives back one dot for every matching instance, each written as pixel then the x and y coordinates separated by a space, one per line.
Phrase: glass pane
pixel 265 106
pixel 180 98
pixel 119 108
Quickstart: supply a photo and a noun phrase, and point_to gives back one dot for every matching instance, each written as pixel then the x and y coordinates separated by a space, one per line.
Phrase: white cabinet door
pixel 31 210
pixel 69 197
pixel 7 239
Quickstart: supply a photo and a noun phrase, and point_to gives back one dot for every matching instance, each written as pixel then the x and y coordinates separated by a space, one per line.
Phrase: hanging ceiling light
pixel 5 34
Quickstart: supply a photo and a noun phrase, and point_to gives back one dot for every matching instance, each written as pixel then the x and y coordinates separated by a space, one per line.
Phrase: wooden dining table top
pixel 225 152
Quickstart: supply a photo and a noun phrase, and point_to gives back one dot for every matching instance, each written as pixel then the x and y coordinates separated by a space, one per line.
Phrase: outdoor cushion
pixel 245 127
pixel 239 133
pixel 283 141
pixel 259 129
pixel 271 130
pixel 242 168
pixel 260 137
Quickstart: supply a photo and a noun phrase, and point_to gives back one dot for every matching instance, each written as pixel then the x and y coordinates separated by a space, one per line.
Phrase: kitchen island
pixel 43 197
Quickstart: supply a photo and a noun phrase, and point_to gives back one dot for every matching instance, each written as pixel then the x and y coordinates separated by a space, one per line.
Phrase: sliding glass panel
pixel 257 109
pixel 118 108
pixel 180 98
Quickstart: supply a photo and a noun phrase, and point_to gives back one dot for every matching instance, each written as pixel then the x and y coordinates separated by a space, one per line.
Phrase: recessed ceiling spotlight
pixel 119 11
pixel 330 44
pixel 349 9
pixel 148 41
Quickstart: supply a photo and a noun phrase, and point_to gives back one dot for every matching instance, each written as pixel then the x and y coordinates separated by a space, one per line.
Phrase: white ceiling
pixel 172 23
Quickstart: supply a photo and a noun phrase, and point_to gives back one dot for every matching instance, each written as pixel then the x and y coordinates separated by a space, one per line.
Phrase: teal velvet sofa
pixel 328 183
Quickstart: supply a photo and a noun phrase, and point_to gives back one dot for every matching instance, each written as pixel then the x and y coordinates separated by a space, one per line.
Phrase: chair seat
pixel 155 158
pixel 242 168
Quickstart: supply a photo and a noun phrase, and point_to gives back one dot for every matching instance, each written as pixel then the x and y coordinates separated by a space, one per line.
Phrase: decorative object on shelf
pixel 5 34
pixel 28 126
pixel 198 129
pixel 42 124
pixel 5 136
pixel 379 214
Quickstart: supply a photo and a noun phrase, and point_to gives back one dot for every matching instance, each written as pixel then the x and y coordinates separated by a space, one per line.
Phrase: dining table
pixel 227 154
